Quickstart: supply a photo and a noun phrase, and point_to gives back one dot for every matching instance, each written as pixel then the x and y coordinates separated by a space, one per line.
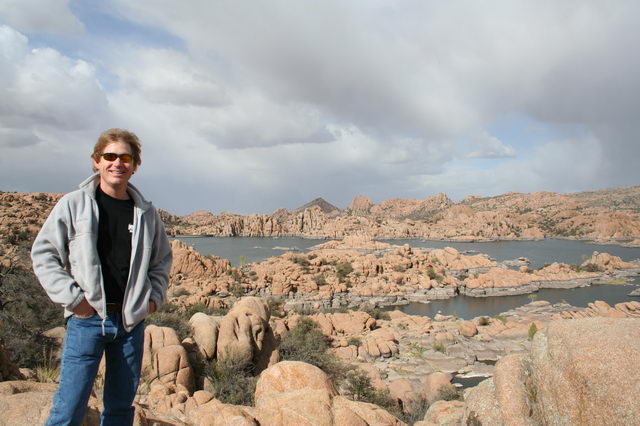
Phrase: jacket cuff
pixel 76 301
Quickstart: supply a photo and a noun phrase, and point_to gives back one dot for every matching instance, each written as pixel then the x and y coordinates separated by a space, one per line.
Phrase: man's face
pixel 115 174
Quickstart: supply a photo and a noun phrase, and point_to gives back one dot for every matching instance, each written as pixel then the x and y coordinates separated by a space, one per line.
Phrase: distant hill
pixel 626 198
pixel 325 206
pixel 605 215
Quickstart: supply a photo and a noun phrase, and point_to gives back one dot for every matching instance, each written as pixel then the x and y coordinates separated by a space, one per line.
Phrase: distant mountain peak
pixel 325 206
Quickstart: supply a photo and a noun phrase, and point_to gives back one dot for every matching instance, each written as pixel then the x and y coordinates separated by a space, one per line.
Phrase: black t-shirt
pixel 115 227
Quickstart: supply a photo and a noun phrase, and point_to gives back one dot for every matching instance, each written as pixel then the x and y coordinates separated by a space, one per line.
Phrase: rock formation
pixel 509 216
pixel 578 372
pixel 293 392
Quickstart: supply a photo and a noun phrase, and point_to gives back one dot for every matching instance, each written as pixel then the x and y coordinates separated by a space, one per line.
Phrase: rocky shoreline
pixel 359 272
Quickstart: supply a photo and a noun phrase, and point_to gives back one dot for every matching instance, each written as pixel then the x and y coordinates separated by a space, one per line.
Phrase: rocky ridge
pixel 599 215
pixel 510 216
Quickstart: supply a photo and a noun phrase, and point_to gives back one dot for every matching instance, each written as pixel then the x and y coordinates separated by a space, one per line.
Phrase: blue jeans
pixel 84 344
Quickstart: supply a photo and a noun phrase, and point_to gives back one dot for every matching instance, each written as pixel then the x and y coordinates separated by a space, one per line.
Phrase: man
pixel 103 254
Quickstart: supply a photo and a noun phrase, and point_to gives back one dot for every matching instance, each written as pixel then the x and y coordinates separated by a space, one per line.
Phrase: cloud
pixel 168 76
pixel 42 88
pixel 40 16
pixel 49 106
pixel 257 106
pixel 492 147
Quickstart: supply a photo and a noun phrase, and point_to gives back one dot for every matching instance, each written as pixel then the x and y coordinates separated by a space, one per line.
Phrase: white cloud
pixel 271 104
pixel 50 105
pixel 42 88
pixel 40 16
pixel 168 76
pixel 492 147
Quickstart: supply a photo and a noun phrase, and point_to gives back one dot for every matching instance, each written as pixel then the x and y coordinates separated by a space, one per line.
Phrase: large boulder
pixel 245 335
pixel 170 366
pixel 25 403
pixel 293 392
pixel 205 333
pixel 443 413
pixel 296 393
pixel 578 372
pixel 434 383
pixel 215 413
pixel 354 413
pixel 586 372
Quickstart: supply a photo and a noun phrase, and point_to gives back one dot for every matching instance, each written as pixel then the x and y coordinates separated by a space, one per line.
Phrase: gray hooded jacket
pixel 66 262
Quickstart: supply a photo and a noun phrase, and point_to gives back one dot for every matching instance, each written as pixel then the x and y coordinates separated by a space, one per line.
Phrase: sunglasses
pixel 110 156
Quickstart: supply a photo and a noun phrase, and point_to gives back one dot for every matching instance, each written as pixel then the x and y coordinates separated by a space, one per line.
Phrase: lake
pixel 255 249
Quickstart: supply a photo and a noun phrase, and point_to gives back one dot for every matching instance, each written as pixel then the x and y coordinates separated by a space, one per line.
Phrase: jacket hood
pixel 90 184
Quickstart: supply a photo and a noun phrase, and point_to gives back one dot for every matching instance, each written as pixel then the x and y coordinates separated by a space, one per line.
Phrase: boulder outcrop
pixel 245 336
pixel 578 372
pixel 293 392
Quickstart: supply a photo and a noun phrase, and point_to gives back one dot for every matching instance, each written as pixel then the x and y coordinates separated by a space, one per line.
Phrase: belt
pixel 114 307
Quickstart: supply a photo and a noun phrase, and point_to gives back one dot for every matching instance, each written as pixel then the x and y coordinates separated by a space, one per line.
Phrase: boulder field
pixel 359 271
pixel 576 368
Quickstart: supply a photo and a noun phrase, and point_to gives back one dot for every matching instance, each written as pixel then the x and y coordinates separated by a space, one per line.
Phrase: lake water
pixel 254 249
pixel 470 307
pixel 538 252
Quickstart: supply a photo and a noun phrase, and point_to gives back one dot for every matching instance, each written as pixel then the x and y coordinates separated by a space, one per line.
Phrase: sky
pixel 247 107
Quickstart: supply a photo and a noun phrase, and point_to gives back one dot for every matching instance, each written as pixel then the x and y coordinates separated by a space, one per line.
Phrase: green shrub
pixel 431 273
pixel 235 274
pixel 232 383
pixel 320 280
pixel 170 316
pixel 305 342
pixel 414 412
pixel 342 270
pixel 417 350
pixel 501 318
pixel 354 341
pixel 448 393
pixel 342 309
pixel 591 267
pixel 276 306
pixel 299 260
pixel 484 321
pixel 236 289
pixel 376 312
pixel 25 313
pixel 358 385
pixel 533 329
pixel 191 310
pixel 439 347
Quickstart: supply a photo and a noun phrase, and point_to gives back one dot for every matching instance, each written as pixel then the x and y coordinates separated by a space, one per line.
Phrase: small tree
pixel 305 342
pixel 533 329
